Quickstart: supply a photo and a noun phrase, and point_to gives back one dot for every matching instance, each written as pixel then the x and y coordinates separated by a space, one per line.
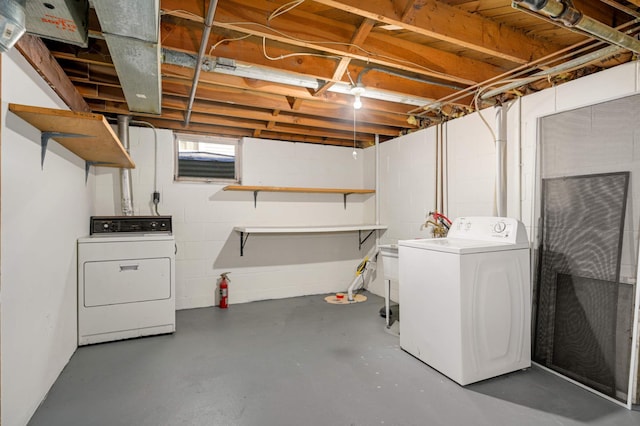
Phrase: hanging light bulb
pixel 357 92
pixel 357 103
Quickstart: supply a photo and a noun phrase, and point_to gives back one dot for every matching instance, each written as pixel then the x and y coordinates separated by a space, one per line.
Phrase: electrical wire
pixel 561 54
pixel 291 55
pixel 227 40
pixel 340 43
pixel 155 198
pixel 276 13
pixel 284 9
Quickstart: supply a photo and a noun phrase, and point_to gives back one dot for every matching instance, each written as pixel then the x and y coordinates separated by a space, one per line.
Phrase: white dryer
pixel 466 301
pixel 126 286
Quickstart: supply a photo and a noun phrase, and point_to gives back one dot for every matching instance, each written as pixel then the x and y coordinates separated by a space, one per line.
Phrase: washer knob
pixel 499 227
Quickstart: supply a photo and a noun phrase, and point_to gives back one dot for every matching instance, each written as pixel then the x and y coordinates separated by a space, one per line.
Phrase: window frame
pixel 192 137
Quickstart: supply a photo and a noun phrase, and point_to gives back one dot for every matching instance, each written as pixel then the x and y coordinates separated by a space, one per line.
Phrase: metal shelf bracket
pixel 87 166
pixel 243 242
pixel 360 240
pixel 44 141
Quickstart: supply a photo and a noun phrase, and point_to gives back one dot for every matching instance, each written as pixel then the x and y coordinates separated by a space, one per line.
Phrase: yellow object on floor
pixel 337 300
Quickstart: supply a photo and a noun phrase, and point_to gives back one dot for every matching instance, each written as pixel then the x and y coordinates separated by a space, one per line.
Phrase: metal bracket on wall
pixel 360 240
pixel 255 199
pixel 243 241
pixel 88 164
pixel 44 141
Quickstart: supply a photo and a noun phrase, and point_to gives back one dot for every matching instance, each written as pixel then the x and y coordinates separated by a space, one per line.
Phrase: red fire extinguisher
pixel 224 290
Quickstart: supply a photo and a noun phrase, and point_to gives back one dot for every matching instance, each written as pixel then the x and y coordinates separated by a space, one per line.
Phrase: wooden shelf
pixel 245 231
pixel 87 135
pixel 256 189
pixel 297 189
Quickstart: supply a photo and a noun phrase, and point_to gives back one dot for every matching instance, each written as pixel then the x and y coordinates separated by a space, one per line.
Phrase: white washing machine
pixel 466 301
pixel 126 286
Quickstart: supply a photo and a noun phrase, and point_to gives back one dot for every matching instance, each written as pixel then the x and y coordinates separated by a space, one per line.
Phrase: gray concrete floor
pixel 297 362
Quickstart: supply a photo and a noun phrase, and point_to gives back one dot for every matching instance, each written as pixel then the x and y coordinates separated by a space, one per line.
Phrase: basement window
pixel 207 158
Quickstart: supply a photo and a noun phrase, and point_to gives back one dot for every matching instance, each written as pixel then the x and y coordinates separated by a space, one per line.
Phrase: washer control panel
pixel 488 228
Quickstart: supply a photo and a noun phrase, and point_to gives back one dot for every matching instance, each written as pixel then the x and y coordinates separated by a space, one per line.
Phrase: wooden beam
pixel 37 54
pixel 238 122
pixel 320 34
pixel 436 19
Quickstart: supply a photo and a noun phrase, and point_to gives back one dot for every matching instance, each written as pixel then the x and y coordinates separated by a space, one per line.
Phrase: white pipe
pixel 518 182
pixel 377 140
pixel 445 176
pixel 126 190
pixel 501 163
pixel 437 168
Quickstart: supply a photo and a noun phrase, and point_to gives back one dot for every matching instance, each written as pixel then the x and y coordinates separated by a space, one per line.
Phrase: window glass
pixel 207 158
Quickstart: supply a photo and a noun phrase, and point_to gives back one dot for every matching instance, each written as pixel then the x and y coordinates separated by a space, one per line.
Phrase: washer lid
pixel 461 245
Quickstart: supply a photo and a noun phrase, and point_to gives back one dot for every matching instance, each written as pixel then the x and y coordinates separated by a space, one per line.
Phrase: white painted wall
pixel 407 191
pixel 470 152
pixel 471 165
pixel 43 213
pixel 273 266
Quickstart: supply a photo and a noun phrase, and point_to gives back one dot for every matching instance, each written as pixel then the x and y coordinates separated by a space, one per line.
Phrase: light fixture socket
pixel 357 91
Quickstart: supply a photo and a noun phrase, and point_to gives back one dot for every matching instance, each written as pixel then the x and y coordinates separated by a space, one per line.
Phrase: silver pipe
pixel 213 4
pixel 501 161
pixel 126 190
pixel 598 54
pixel 563 11
pixel 408 77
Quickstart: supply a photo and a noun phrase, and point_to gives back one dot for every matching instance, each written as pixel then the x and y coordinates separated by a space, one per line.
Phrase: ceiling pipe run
pixel 564 11
pixel 408 77
pixel 203 47
pixel 565 66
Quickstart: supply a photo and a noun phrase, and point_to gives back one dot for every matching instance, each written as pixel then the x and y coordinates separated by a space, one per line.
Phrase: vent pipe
pixel 501 161
pixel 126 191
pixel 12 23
pixel 203 47
pixel 564 12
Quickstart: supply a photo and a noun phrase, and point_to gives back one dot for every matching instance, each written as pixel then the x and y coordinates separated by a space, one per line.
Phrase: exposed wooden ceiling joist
pixel 305 56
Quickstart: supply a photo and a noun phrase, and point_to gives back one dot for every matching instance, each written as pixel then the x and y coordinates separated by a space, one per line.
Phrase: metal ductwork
pixel 131 29
pixel 563 11
pixel 12 23
pixel 60 20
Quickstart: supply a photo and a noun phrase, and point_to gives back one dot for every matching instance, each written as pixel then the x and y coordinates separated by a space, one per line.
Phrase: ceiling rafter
pixel 357 40
pixel 302 30
pixel 447 23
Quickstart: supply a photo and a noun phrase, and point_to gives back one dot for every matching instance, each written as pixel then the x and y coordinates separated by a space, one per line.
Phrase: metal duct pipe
pixel 126 190
pixel 213 4
pixel 582 60
pixel 408 77
pixel 501 161
pixel 563 11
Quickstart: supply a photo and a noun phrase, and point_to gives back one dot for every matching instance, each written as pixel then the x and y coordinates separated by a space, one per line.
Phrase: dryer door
pixel 126 281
